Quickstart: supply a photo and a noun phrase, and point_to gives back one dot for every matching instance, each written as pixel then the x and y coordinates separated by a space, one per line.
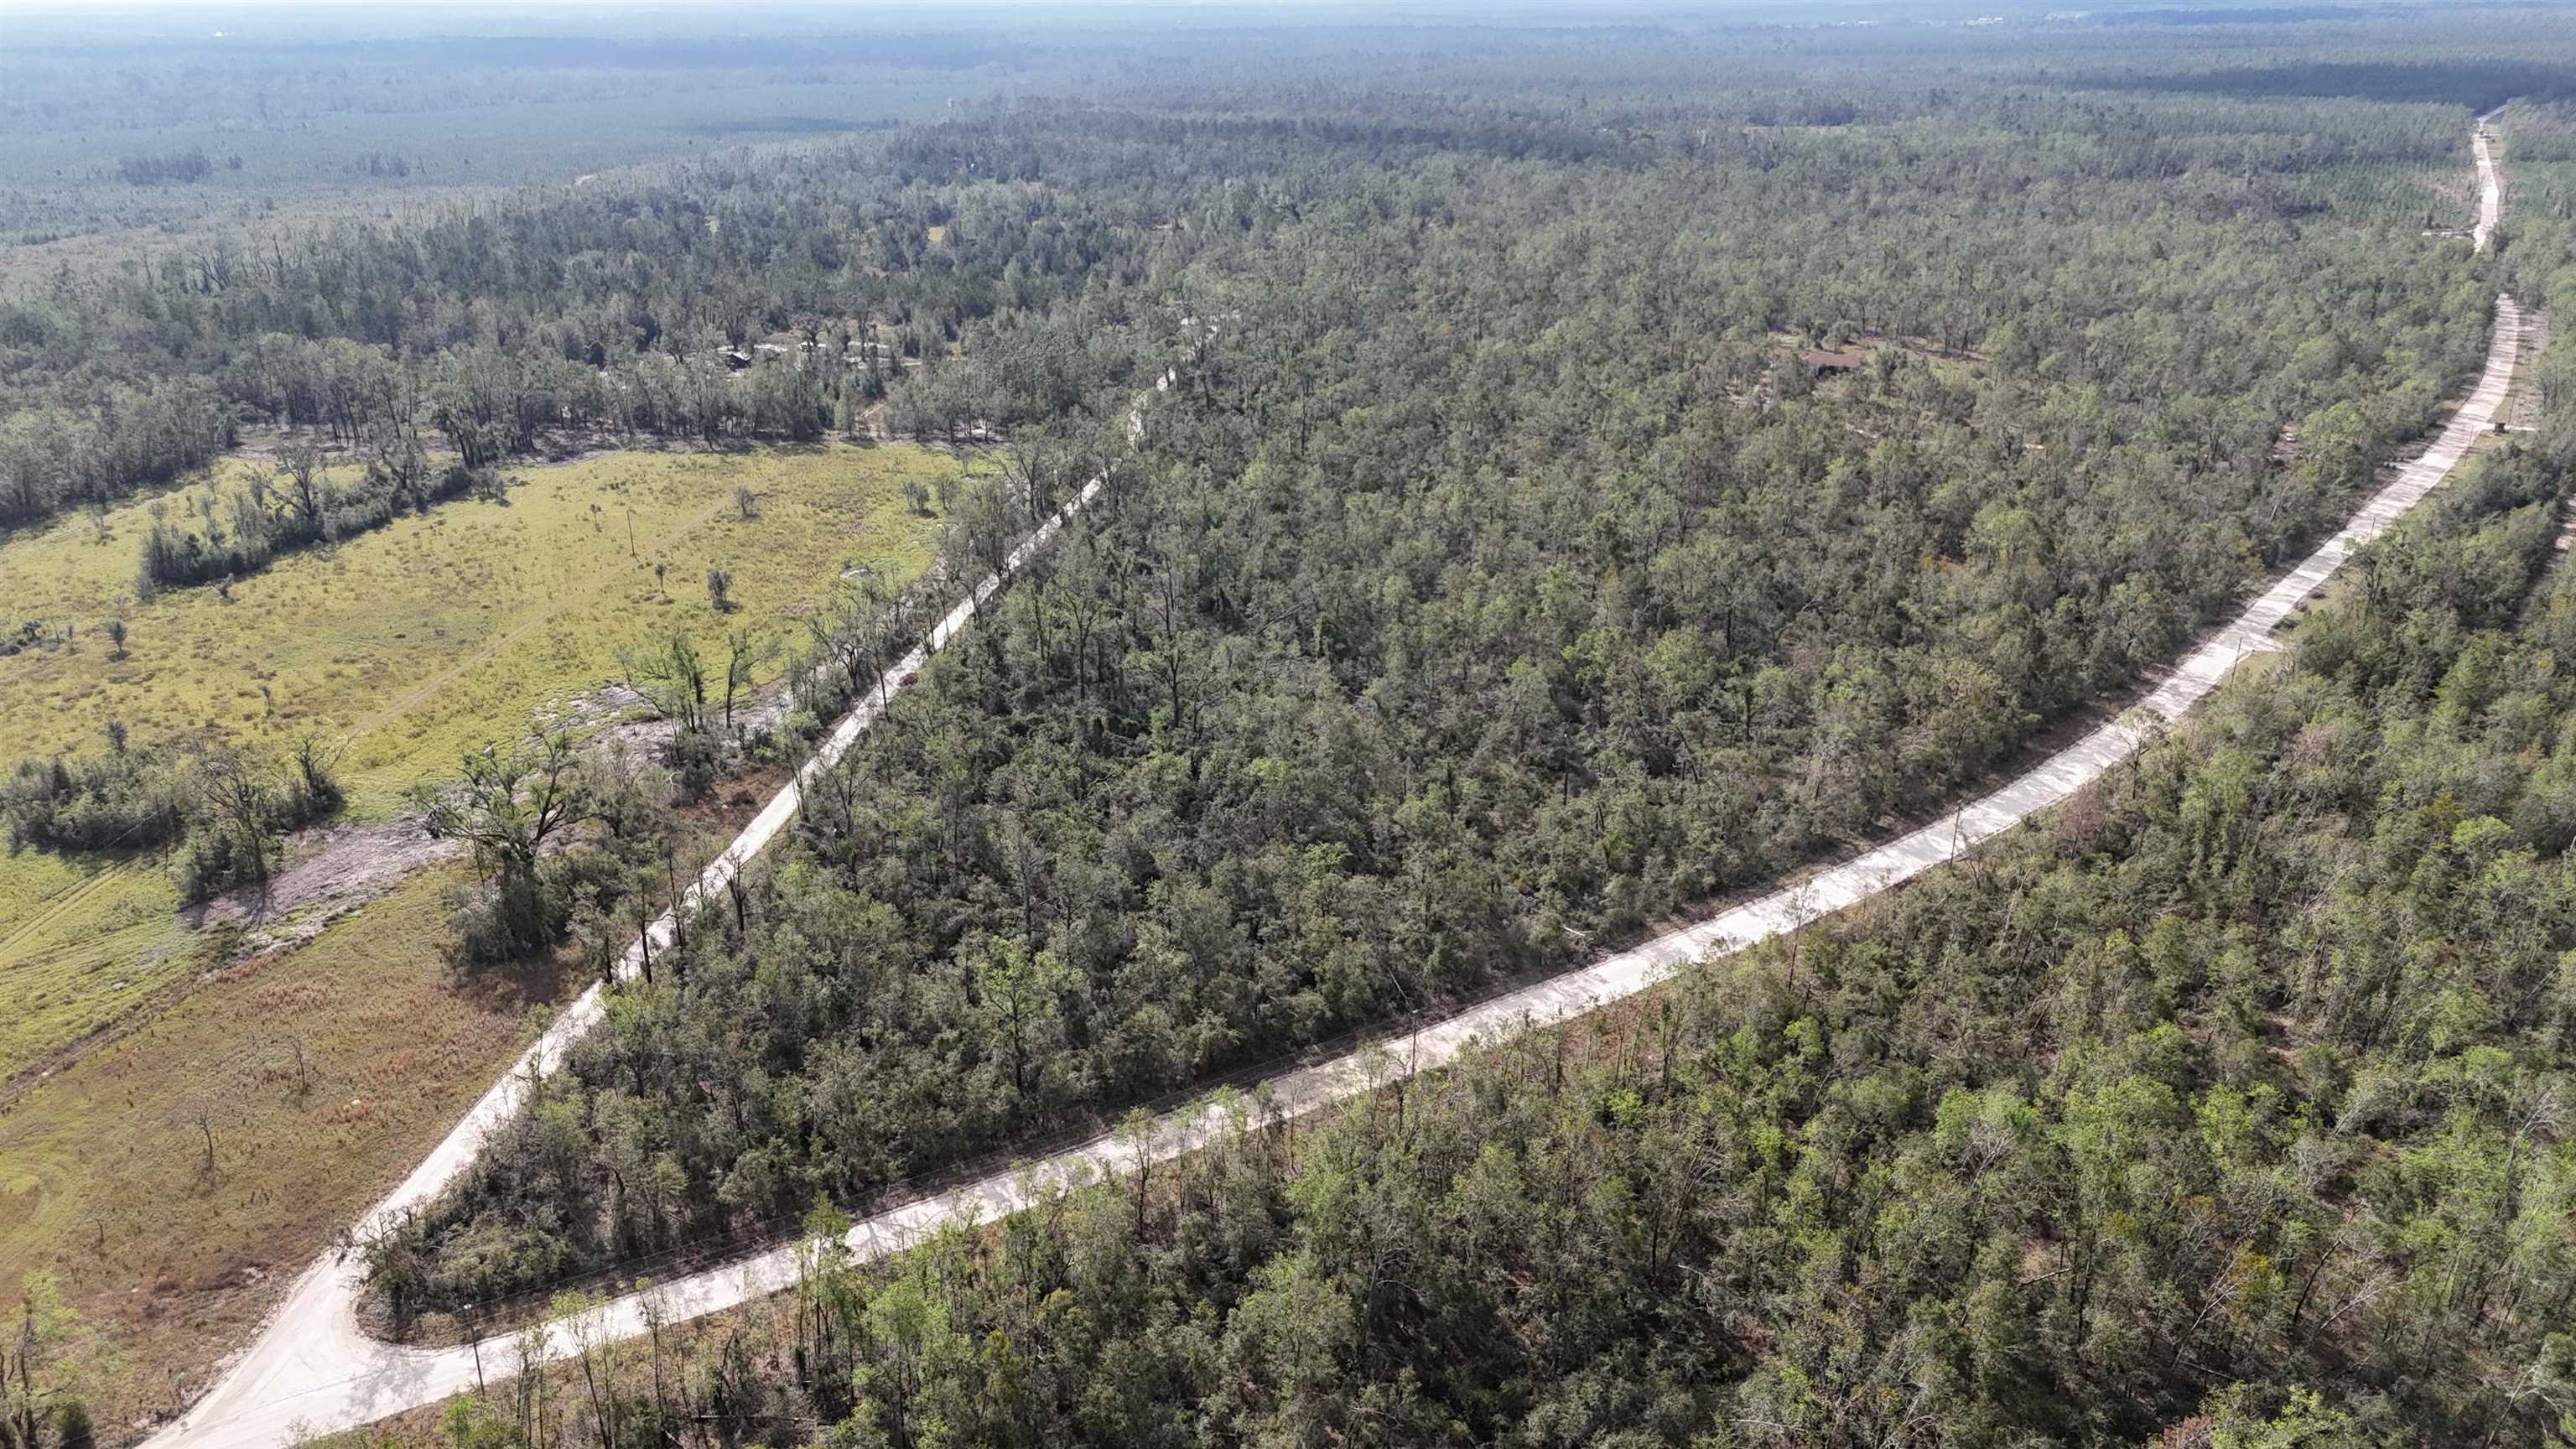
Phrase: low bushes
pixel 226 809
pixel 299 510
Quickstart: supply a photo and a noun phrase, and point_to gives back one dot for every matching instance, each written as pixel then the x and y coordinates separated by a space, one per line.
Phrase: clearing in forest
pixel 402 648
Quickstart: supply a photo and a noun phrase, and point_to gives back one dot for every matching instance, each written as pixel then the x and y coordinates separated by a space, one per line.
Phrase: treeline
pixel 76 455
pixel 1496 584
pixel 2231 1103
pixel 227 534
pixel 153 168
pixel 739 298
pixel 780 294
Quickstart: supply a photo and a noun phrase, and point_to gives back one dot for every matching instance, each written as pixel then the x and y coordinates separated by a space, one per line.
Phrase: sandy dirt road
pixel 2490 184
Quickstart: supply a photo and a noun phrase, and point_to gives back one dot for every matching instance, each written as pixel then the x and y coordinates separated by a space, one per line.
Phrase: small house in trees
pixel 1831 364
pixel 736 359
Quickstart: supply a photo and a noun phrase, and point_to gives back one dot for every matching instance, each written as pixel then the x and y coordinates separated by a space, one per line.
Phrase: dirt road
pixel 2490 183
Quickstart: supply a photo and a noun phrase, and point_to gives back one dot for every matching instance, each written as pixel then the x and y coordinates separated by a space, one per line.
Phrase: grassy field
pixel 105 1175
pixel 87 942
pixel 404 647
pixel 319 1075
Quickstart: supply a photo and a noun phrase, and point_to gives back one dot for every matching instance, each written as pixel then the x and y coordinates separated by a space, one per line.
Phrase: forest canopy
pixel 1553 478
pixel 2228 1107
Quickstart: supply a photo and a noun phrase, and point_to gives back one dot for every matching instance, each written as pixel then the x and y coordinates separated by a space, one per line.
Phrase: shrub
pixel 131 800
pixel 514 916
pixel 697 759
pixel 264 525
pixel 224 809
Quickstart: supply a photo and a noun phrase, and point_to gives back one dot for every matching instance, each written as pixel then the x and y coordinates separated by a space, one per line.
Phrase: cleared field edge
pixel 336 1377
pixel 457 556
pixel 70 986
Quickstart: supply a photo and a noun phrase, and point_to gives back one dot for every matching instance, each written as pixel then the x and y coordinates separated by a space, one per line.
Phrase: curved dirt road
pixel 313 1369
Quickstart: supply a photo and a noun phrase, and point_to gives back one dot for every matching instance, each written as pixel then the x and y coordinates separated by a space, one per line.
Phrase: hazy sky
pixel 328 20
pixel 809 12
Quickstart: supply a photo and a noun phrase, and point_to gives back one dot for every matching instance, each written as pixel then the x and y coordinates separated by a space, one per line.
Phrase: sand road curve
pixel 313 1369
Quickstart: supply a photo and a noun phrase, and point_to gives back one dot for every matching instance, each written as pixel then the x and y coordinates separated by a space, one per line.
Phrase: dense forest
pixel 1500 580
pixel 488 334
pixel 482 328
pixel 2227 1107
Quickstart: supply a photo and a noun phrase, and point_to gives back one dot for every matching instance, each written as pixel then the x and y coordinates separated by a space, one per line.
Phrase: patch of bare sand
pixel 329 872
pixel 617 716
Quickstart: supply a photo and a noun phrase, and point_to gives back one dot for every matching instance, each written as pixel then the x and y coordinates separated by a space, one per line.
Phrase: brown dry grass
pixel 172 1258
pixel 322 1074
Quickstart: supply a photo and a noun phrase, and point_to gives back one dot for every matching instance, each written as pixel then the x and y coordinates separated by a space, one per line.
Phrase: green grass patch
pixel 404 647
pixel 85 942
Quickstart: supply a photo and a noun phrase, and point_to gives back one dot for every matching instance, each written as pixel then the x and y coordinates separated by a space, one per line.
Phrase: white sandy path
pixel 314 1369
pixel 2490 183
